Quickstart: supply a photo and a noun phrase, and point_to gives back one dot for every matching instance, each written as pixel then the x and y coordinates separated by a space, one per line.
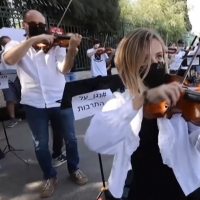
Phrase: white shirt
pixel 41 81
pixel 115 131
pixel 98 64
pixel 178 58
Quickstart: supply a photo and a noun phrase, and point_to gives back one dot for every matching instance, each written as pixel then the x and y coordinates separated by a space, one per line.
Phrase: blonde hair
pixel 130 56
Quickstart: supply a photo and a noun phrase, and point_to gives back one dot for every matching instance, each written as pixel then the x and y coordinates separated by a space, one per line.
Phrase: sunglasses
pixel 34 24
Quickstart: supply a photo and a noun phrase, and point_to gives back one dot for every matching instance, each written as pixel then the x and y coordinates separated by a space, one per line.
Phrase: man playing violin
pixel 42 81
pixel 99 60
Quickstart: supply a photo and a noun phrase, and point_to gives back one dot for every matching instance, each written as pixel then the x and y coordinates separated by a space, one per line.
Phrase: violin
pixel 61 40
pixel 188 105
pixel 107 50
pixel 171 50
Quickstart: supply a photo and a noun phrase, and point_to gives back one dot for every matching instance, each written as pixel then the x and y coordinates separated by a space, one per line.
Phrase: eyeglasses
pixel 34 24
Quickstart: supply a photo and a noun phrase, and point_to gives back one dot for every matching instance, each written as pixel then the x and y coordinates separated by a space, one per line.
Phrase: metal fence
pixel 10 17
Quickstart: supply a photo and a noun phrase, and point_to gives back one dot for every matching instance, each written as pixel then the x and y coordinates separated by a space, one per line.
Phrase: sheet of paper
pixel 195 61
pixel 88 104
pixel 3 82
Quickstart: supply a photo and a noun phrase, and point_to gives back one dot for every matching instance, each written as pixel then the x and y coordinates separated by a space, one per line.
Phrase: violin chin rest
pixel 192 95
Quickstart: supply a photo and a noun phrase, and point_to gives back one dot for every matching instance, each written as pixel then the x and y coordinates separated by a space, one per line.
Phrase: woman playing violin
pixel 163 153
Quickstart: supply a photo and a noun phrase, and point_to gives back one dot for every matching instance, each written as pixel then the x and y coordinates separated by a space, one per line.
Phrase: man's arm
pixel 67 63
pixel 16 53
pixel 91 52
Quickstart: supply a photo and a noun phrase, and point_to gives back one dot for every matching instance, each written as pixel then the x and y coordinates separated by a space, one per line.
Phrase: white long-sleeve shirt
pixel 115 131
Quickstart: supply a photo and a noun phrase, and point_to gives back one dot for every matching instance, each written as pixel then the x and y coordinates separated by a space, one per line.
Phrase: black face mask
pixel 156 76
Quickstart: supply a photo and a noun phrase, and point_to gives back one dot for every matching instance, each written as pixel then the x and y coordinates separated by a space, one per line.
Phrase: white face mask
pixel 180 48
pixel 96 46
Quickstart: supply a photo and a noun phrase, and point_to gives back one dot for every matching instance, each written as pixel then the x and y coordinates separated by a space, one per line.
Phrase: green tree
pixel 186 17
pixel 166 16
pixel 92 14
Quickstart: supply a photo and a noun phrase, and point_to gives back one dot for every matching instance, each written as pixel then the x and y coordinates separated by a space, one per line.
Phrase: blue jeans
pixel 71 76
pixel 62 122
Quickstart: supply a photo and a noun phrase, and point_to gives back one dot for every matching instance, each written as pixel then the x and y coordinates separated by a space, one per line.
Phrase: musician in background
pixel 112 62
pixel 177 59
pixel 12 95
pixel 42 79
pixel 98 61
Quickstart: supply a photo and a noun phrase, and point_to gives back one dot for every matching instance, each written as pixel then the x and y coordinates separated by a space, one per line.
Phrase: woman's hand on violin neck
pixel 43 38
pixel 170 93
pixel 75 41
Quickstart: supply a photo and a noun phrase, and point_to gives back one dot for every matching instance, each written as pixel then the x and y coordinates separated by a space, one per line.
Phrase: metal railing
pixel 10 17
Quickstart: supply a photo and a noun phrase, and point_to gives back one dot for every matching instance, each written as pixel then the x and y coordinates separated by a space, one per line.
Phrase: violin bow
pixel 62 17
pixel 105 40
pixel 190 65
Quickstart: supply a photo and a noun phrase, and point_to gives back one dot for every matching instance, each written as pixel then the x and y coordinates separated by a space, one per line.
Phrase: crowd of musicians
pixel 163 153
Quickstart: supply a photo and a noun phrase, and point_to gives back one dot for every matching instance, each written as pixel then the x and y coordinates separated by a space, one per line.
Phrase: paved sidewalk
pixel 21 182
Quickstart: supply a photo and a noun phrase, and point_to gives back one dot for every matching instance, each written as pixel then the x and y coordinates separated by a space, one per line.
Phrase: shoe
pixel 79 177
pixel 48 188
pixel 11 123
pixel 59 161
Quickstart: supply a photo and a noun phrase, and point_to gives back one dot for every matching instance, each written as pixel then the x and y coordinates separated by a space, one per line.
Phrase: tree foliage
pixel 169 17
pixel 93 14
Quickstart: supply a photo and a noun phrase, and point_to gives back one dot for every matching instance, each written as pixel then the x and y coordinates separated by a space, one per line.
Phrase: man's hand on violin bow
pixel 44 38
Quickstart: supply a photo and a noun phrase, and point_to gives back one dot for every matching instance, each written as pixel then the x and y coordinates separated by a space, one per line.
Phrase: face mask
pixel 96 46
pixel 156 75
pixel 180 48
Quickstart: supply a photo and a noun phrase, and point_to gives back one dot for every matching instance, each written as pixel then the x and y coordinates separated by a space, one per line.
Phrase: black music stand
pixel 8 148
pixel 75 88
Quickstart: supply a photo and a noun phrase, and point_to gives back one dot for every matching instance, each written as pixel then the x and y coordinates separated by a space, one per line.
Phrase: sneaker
pixel 48 188
pixel 79 177
pixel 59 160
pixel 11 123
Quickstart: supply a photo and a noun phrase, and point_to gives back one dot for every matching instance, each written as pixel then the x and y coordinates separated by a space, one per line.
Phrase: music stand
pixel 79 87
pixel 12 74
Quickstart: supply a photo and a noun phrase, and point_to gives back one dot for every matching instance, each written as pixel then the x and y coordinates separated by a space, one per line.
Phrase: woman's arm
pixel 112 125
